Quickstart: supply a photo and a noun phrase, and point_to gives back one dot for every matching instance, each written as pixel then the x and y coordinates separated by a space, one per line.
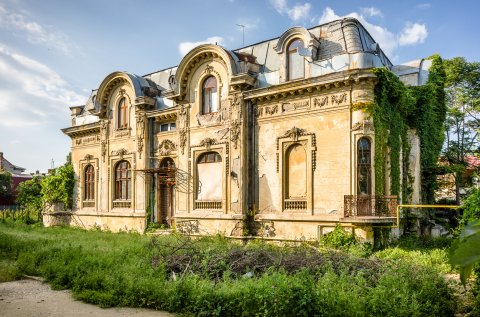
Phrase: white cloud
pixel 372 11
pixel 31 93
pixel 389 42
pixel 185 47
pixel 295 13
pixel 425 5
pixel 413 34
pixel 35 33
pixel 299 12
pixel 328 15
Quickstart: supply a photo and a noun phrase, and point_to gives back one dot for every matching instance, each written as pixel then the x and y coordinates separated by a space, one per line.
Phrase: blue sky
pixel 53 53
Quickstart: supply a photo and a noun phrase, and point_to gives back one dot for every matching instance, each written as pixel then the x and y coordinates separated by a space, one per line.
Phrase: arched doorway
pixel 166 192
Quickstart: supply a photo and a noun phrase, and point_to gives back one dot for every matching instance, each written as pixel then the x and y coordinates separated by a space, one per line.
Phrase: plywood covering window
pixel 209 95
pixel 123 181
pixel 295 62
pixel 122 108
pixel 364 167
pixel 209 171
pixel 296 172
pixel 89 183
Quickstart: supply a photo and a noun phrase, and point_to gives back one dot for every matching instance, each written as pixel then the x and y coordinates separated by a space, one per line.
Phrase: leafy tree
pixel 29 195
pixel 463 115
pixel 6 190
pixel 58 187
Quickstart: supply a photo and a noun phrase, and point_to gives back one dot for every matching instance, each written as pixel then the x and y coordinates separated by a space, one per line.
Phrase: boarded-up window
pixel 209 168
pixel 296 65
pixel 296 172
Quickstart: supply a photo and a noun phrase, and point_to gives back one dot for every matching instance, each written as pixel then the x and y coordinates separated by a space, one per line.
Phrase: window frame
pixel 364 165
pixel 209 157
pixel 289 52
pixel 89 183
pixel 170 126
pixel 122 113
pixel 208 91
pixel 123 176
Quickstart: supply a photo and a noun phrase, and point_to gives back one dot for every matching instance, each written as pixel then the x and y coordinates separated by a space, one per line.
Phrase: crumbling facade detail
pixel 227 134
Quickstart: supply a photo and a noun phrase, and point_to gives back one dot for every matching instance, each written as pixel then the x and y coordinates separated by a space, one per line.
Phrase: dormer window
pixel 209 95
pixel 295 61
pixel 122 108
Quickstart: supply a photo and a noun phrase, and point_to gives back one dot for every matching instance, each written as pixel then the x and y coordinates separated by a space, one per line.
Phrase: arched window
pixel 89 183
pixel 209 157
pixel 123 181
pixel 209 95
pixel 122 108
pixel 364 167
pixel 295 62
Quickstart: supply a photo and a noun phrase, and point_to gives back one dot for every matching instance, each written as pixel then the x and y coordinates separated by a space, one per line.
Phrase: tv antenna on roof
pixel 243 33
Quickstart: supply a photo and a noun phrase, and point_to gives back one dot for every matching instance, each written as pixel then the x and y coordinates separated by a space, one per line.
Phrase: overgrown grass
pixel 215 277
pixel 422 251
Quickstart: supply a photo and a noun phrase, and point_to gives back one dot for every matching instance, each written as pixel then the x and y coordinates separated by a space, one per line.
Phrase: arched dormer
pixel 297 32
pixel 141 88
pixel 308 51
pixel 200 55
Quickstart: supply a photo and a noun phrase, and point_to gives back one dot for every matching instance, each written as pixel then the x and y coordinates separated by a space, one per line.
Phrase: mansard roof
pixel 332 44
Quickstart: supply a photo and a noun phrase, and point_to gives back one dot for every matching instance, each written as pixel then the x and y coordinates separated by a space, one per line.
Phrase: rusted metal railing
pixel 370 206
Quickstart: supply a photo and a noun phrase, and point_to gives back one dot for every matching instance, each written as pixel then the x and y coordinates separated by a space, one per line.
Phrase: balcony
pixel 367 208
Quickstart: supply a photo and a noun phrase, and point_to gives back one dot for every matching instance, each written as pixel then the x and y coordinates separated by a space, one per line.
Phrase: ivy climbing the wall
pixel 398 108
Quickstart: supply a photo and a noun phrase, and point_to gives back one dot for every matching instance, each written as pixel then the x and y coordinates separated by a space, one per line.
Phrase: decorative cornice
pixel 164 114
pixel 82 130
pixel 309 85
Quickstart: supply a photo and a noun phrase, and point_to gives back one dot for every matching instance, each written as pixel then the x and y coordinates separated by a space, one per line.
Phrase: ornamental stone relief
pixel 300 105
pixel 166 147
pixel 104 136
pixel 208 142
pixel 120 152
pixel 234 133
pixel 140 132
pixel 183 139
pixel 320 102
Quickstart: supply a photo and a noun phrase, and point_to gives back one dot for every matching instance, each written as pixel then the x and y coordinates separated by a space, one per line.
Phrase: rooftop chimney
pixel 1 161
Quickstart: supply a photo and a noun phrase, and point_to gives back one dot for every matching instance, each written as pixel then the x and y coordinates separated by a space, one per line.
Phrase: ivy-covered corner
pixel 398 108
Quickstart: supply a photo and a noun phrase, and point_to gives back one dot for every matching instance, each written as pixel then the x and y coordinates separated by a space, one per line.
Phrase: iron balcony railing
pixel 370 206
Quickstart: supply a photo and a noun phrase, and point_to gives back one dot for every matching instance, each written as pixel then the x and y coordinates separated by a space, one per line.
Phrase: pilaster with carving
pixel 183 125
pixel 104 137
pixel 141 120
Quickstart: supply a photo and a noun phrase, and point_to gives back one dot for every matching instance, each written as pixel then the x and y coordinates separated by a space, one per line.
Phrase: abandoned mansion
pixel 270 140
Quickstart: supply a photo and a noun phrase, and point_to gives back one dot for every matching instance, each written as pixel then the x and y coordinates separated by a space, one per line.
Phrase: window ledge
pixel 122 204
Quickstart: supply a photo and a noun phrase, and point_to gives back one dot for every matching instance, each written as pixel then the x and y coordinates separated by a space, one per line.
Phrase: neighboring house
pixel 17 178
pixel 265 134
pixel 446 182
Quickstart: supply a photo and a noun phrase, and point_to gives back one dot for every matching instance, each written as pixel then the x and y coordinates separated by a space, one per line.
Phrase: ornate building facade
pixel 264 140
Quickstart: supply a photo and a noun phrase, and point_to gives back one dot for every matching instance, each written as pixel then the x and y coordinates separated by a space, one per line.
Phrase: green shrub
pixel 215 277
pixel 339 238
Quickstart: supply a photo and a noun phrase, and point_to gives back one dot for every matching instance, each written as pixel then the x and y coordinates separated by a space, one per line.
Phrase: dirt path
pixel 31 298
